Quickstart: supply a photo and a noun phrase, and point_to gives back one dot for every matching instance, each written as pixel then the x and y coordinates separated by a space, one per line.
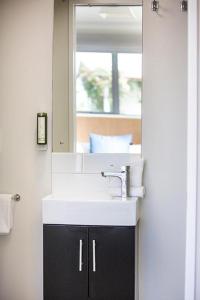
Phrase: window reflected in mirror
pixel 94 82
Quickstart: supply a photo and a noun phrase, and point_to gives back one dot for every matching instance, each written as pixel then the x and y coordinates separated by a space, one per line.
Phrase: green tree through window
pixel 96 83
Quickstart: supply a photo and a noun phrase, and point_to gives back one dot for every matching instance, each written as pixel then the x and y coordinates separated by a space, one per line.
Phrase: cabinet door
pixel 111 264
pixel 65 262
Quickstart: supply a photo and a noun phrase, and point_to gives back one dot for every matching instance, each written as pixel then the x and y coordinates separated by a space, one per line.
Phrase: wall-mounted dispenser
pixel 155 5
pixel 184 5
pixel 42 128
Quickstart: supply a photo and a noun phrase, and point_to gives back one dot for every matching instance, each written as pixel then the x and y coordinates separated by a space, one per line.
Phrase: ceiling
pixel 109 20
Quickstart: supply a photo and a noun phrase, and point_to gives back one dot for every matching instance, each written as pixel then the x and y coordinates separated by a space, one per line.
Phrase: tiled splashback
pixel 67 163
pixel 79 175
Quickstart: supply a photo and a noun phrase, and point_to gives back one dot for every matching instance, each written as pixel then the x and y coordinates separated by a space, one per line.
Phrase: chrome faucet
pixel 124 176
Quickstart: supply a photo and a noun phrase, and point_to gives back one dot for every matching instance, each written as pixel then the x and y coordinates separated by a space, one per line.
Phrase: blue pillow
pixel 110 144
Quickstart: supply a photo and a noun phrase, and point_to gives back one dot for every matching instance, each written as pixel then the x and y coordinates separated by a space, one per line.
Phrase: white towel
pixel 136 172
pixel 134 192
pixel 7 205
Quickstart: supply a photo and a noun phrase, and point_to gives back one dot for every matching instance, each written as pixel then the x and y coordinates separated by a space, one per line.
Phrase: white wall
pixel 25 89
pixel 163 222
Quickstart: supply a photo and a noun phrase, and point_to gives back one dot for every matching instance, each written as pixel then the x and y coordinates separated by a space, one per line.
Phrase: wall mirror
pixel 97 77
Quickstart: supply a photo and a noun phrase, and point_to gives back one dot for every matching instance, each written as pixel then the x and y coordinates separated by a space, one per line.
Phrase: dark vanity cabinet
pixel 63 280
pixel 94 262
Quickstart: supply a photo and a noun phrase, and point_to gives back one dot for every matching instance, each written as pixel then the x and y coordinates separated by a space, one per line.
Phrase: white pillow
pixel 110 144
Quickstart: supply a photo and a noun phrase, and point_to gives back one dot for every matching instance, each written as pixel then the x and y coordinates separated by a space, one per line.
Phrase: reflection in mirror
pixel 108 78
pixel 108 85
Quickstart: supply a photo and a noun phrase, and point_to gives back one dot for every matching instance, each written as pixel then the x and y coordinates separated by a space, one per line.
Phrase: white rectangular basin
pixel 110 212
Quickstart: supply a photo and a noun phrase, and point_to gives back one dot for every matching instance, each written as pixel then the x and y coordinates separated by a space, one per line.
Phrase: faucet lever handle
pixel 125 169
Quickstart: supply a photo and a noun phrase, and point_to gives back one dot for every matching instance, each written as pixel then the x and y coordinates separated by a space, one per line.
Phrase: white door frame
pixel 192 147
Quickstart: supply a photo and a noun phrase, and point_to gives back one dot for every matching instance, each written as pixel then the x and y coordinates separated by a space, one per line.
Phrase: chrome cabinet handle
pixel 94 255
pixel 80 255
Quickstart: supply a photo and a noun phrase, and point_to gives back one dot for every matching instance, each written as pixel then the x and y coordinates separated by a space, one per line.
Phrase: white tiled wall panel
pixel 96 163
pixel 66 163
pixel 80 185
pixel 79 175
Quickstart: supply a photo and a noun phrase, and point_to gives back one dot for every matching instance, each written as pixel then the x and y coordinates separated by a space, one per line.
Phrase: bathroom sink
pixel 75 211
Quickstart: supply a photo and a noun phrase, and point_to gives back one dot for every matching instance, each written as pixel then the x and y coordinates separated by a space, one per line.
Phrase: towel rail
pixel 16 197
